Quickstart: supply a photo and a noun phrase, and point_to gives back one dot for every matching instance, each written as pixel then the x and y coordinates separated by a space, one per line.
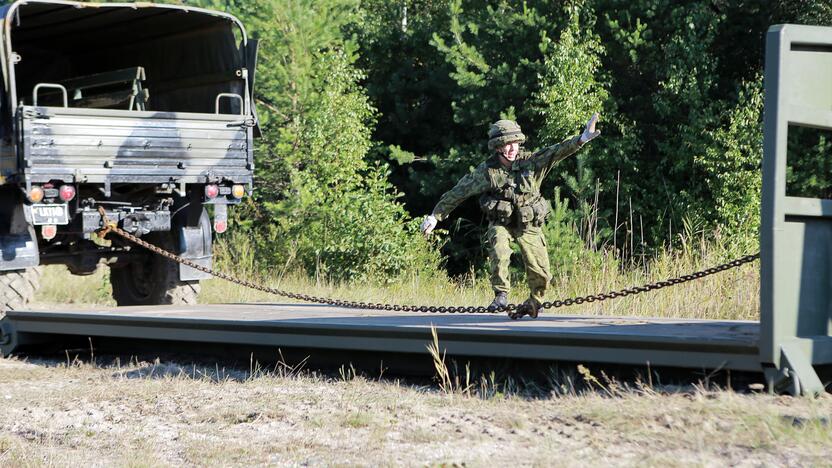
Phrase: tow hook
pixel 136 223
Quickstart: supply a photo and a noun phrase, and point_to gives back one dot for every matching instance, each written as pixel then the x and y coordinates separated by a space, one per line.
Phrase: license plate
pixel 50 214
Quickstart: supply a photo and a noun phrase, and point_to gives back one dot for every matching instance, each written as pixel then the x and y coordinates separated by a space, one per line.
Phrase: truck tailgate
pixel 102 145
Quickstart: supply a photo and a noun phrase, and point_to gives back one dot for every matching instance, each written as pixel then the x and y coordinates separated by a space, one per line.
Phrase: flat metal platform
pixel 697 344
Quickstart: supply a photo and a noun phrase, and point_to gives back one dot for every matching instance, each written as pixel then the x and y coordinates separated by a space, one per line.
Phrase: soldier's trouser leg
pixel 497 240
pixel 536 259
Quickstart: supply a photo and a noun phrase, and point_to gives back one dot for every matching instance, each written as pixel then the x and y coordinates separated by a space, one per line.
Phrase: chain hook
pixel 107 225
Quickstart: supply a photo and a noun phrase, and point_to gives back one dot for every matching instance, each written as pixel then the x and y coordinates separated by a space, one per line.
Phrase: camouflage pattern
pixel 503 132
pixel 525 177
pixel 526 174
pixel 533 249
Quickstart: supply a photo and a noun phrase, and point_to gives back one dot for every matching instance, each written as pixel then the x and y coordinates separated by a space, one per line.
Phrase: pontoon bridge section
pixel 789 345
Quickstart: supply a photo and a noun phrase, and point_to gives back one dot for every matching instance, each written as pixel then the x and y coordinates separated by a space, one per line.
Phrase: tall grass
pixel 59 287
pixel 732 294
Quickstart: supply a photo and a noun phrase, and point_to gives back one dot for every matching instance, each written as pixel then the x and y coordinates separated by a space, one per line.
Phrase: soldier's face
pixel 509 151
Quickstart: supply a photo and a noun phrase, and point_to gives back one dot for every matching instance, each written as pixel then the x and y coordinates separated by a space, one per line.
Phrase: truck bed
pixel 111 146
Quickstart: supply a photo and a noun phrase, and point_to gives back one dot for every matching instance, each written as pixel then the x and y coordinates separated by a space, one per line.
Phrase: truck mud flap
pixel 195 245
pixel 19 251
pixel 18 242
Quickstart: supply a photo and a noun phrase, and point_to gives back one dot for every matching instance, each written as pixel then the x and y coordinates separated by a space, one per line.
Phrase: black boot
pixel 500 300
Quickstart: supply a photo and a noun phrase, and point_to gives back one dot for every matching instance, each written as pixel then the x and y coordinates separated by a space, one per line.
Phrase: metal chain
pixel 110 226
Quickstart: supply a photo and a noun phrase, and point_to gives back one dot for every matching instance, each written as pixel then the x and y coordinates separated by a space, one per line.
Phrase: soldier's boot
pixel 530 307
pixel 534 308
pixel 500 300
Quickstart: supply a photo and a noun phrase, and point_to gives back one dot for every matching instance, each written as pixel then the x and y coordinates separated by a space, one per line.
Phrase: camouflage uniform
pixel 516 211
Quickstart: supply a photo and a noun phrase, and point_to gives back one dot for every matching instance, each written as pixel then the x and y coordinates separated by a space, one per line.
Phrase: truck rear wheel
pixel 17 287
pixel 152 279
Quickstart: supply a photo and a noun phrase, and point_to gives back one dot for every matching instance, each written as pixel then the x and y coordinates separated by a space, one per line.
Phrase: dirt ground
pixel 163 413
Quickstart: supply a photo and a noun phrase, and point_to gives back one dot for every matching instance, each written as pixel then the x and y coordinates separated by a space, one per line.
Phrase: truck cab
pixel 144 110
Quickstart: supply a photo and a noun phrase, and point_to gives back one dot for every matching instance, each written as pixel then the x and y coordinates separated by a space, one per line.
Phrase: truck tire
pixel 153 279
pixel 17 287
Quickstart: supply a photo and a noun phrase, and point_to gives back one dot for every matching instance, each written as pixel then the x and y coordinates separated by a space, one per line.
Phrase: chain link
pixel 110 226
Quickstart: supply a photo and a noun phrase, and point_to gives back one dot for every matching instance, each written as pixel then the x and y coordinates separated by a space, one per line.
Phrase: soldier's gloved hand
pixel 428 224
pixel 590 132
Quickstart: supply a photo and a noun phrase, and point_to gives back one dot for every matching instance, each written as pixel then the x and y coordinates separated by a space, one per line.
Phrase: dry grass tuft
pixel 449 381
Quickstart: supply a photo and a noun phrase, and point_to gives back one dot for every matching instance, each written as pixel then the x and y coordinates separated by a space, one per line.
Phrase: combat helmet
pixel 503 132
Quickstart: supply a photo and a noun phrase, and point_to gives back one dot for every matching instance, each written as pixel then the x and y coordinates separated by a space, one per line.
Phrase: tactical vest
pixel 513 198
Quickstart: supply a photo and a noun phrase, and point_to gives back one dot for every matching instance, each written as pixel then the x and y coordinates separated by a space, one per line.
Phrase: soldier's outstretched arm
pixel 472 184
pixel 546 158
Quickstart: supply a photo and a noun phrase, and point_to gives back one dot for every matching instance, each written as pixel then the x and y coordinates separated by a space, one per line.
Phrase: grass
pixel 119 413
pixel 733 294
pixel 357 420
pixel 152 413
pixel 58 286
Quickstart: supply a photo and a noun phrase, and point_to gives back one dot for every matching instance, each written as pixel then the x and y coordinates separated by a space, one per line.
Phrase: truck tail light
pixel 67 192
pixel 220 226
pixel 211 191
pixel 238 191
pixel 35 194
pixel 48 231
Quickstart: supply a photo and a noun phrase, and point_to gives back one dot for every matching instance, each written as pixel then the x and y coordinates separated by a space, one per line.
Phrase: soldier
pixel 509 187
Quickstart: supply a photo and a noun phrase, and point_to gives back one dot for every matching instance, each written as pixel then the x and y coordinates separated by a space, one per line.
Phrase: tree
pixel 319 205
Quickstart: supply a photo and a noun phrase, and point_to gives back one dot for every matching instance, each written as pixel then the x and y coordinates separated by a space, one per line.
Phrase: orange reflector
pixel 48 231
pixel 35 194
pixel 238 191
pixel 220 226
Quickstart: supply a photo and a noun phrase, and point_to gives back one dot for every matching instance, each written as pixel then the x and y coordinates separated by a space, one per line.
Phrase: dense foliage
pixel 678 84
pixel 320 204
pixel 372 108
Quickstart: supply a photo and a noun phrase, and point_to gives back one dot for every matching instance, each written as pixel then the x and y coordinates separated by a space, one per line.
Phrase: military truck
pixel 143 109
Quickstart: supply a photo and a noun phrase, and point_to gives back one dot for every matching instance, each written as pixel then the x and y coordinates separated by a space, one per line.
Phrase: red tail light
pixel 211 191
pixel 220 226
pixel 67 192
pixel 48 231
